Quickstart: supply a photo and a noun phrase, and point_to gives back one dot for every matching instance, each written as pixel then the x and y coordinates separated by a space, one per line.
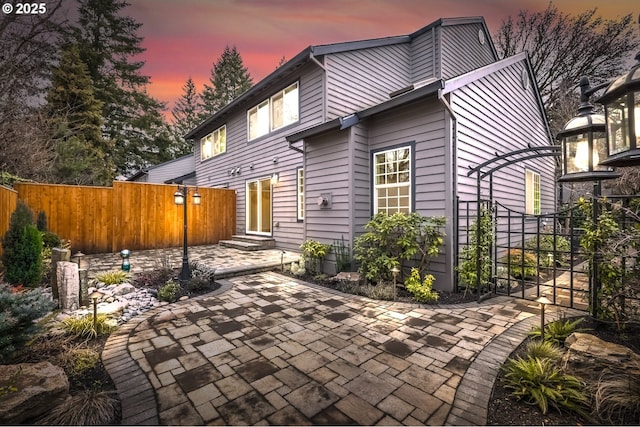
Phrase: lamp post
pixel 180 198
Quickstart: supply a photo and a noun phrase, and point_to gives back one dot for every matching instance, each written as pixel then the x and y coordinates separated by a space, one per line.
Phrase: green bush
pixel 541 382
pixel 154 279
pixel 392 240
pixel 515 261
pixel 315 252
pixel 617 396
pixel 50 240
pixel 83 327
pixel 113 277
pixel 557 332
pixel 549 255
pixel 169 292
pixel 198 284
pixel 41 221
pixel 17 314
pixel 543 350
pixel 22 249
pixel 91 407
pixel 343 255
pixel 421 289
pixel 479 248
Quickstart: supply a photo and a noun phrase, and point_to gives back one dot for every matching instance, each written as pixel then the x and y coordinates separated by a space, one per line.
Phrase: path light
pixel 126 265
pixel 543 301
pixel 80 259
pixel 180 198
pixel 95 296
pixel 622 110
pixel 395 272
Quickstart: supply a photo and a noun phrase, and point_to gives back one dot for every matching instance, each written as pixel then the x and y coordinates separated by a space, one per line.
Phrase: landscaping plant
pixel 395 240
pixel 558 331
pixel 113 277
pixel 314 252
pixel 22 249
pixel 343 255
pixel 478 251
pixel 543 350
pixel 85 327
pixel 617 396
pixel 169 292
pixel 550 252
pixel 521 264
pixel 91 407
pixel 18 310
pixel 421 288
pixel 541 382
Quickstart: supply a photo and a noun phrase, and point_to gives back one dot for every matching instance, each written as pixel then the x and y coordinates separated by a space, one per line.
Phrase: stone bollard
pixel 57 255
pixel 68 285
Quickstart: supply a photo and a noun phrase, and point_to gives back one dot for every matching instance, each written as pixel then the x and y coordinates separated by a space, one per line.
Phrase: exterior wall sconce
pixel 275 178
pixel 622 110
pixel 584 145
pixel 179 198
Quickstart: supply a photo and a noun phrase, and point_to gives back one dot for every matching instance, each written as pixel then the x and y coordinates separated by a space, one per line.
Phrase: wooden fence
pixel 8 202
pixel 128 215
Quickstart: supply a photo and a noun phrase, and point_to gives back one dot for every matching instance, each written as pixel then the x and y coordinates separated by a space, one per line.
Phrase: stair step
pixel 265 242
pixel 238 244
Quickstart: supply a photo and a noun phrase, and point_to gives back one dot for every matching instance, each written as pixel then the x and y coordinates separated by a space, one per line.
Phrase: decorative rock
pixel 40 388
pixel 113 308
pixel 183 298
pixel 347 276
pixel 123 289
pixel 68 285
pixel 58 254
pixel 588 356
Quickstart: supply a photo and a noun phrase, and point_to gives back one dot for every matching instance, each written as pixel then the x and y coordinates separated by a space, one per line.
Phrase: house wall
pixel 362 78
pixel 172 169
pixel 498 114
pixel 261 153
pixel 423 55
pixel 461 50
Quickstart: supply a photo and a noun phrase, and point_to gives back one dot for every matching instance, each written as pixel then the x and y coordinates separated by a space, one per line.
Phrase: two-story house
pixel 345 130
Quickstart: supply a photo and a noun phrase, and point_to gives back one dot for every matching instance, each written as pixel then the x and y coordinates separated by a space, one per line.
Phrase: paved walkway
pixel 267 349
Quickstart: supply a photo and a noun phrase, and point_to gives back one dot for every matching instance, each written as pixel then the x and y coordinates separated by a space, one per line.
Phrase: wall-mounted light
pixel 275 178
pixel 275 160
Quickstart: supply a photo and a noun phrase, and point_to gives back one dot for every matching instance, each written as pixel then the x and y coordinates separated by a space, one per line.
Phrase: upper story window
pixel 280 110
pixel 392 181
pixel 213 144
pixel 532 192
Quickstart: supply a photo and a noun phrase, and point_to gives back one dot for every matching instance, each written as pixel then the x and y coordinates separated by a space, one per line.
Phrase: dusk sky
pixel 184 38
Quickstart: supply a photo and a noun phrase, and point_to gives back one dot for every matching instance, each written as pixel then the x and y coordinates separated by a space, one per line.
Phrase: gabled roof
pixel 311 52
pixel 146 170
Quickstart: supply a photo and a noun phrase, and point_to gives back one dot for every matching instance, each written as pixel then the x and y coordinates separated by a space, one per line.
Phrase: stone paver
pixel 268 349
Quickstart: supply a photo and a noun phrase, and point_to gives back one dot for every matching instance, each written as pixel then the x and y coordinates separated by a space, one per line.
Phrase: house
pixel 342 131
pixel 175 171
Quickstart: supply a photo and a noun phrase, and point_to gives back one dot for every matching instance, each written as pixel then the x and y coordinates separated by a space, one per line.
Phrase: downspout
pixel 453 147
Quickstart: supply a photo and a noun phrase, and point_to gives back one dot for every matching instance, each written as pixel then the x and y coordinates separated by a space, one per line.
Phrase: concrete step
pixel 264 241
pixel 241 245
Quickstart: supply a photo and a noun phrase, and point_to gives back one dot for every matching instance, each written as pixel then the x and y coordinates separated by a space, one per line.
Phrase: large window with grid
pixel 278 111
pixel 392 181
pixel 532 192
pixel 213 144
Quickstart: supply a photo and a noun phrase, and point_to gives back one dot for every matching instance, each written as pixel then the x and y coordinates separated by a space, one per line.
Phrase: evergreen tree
pixel 108 44
pixel 229 79
pixel 185 114
pixel 76 120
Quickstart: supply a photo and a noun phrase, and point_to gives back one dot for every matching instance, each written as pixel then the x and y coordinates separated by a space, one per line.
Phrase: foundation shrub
pixel 22 249
pixel 522 264
pixel 169 292
pixel 421 288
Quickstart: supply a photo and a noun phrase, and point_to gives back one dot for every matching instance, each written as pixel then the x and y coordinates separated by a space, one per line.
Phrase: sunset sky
pixel 184 38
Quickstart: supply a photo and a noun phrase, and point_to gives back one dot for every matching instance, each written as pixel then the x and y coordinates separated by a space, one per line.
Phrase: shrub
pixel 17 314
pixel 87 408
pixel 198 284
pixel 41 221
pixel 541 382
pixel 557 332
pixel 392 240
pixel 343 255
pixel 549 255
pixel 421 289
pixel 543 350
pixel 315 252
pixel 22 249
pixel 515 260
pixel 617 397
pixel 478 250
pixel 76 360
pixel 154 279
pixel 113 277
pixel 201 270
pixel 380 291
pixel 50 240
pixel 169 292
pixel 83 327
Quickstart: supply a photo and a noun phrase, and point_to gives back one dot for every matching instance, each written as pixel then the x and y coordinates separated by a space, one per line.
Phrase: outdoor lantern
pixel 178 198
pixel 621 102
pixel 274 178
pixel 583 141
pixel 196 197
pixel 126 265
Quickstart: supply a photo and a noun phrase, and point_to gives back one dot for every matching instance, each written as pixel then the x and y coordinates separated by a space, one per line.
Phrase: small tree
pixel 22 249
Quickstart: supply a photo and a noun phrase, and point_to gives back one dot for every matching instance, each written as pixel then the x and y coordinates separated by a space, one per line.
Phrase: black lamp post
pixel 180 198
pixel 622 110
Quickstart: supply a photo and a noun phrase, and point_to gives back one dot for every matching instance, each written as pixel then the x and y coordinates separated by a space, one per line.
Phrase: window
pixel 532 192
pixel 274 113
pixel 213 144
pixel 300 193
pixel 392 181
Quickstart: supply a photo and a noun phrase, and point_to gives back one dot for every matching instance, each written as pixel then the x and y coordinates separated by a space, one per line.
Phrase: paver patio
pixel 267 349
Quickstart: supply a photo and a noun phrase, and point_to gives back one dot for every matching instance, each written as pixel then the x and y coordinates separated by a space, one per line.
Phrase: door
pixel 259 206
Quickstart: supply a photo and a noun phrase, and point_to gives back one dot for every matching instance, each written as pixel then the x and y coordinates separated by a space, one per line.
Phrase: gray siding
pixel 171 169
pixel 462 51
pixel 362 78
pixel 255 159
pixel 423 55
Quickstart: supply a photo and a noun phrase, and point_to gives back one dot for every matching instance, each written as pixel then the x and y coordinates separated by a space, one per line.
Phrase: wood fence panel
pixel 78 213
pixel 8 203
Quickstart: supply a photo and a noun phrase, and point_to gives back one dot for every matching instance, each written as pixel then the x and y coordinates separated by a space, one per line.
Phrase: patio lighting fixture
pixel 126 265
pixel 395 271
pixel 275 178
pixel 95 296
pixel 180 198
pixel 543 301
pixel 79 258
pixel 621 102
pixel 584 145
